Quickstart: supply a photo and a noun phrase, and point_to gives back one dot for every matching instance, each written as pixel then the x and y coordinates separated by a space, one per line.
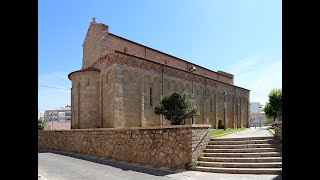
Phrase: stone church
pixel 121 81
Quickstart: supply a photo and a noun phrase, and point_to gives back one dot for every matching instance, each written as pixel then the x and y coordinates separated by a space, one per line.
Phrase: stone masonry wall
pixel 92 47
pixel 85 100
pixel 278 129
pixel 114 42
pixel 166 146
pixel 98 40
pixel 139 89
pixel 121 82
pixel 200 140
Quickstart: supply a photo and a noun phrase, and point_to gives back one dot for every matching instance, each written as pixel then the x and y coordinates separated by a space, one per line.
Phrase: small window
pixel 150 97
pixel 125 49
pixel 210 105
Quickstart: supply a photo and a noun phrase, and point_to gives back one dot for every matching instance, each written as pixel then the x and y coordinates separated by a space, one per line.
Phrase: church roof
pixel 84 70
pixel 219 72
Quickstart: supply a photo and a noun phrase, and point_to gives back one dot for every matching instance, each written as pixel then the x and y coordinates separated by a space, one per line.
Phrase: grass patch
pixel 221 132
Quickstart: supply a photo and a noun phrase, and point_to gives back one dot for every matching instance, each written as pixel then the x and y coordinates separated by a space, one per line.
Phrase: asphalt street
pixel 69 166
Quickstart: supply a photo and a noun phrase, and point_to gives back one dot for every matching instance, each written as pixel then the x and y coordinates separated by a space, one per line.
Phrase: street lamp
pixel 224 108
pixel 191 69
pixel 260 122
pixel 237 114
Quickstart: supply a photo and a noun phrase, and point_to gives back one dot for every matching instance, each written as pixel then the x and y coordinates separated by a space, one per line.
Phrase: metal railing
pixel 205 134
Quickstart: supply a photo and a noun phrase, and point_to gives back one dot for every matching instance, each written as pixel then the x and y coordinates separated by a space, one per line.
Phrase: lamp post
pixel 260 122
pixel 162 90
pixel 192 97
pixel 191 69
pixel 224 110
pixel 237 114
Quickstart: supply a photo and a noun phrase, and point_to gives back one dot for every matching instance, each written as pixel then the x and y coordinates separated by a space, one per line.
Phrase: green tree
pixel 269 121
pixel 274 106
pixel 275 100
pixel 41 124
pixel 177 107
pixel 269 112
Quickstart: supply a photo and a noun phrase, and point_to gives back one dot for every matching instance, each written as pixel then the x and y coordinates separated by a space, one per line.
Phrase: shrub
pixel 269 121
pixel 41 124
pixel 193 164
pixel 177 107
pixel 220 125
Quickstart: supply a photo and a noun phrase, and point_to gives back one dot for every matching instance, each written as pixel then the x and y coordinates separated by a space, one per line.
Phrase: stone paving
pixel 252 132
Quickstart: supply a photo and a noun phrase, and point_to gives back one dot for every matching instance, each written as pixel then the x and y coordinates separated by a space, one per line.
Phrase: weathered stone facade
pixel 278 129
pixel 166 146
pixel 121 81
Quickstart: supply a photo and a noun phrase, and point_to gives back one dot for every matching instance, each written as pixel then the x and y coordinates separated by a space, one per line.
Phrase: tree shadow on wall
pixel 126 166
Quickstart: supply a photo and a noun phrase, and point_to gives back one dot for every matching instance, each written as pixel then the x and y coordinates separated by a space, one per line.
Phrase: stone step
pixel 226 159
pixel 239 170
pixel 246 150
pixel 243 139
pixel 262 154
pixel 240 165
pixel 242 146
pixel 243 142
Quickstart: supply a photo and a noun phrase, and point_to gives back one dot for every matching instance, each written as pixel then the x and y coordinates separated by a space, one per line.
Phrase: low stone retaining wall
pixel 278 129
pixel 166 146
pixel 54 125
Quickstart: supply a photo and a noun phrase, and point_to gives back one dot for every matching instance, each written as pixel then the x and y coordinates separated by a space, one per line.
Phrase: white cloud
pixel 50 98
pixel 258 74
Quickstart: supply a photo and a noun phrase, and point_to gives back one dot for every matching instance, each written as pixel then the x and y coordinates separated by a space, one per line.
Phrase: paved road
pixel 52 166
pixel 252 132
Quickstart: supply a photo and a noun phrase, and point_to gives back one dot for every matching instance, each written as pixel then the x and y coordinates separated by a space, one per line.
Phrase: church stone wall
pixel 134 87
pixel 114 42
pixel 85 100
pixel 92 45
pixel 129 79
pixel 98 40
pixel 109 97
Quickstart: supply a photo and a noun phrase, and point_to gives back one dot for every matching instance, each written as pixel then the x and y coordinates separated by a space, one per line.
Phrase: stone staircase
pixel 251 155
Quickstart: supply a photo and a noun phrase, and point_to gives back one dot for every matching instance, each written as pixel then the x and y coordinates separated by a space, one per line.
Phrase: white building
pixel 257 119
pixel 255 107
pixel 257 116
pixel 41 115
pixel 62 114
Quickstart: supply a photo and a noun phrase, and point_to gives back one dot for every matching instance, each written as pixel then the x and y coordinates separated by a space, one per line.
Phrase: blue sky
pixel 242 37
